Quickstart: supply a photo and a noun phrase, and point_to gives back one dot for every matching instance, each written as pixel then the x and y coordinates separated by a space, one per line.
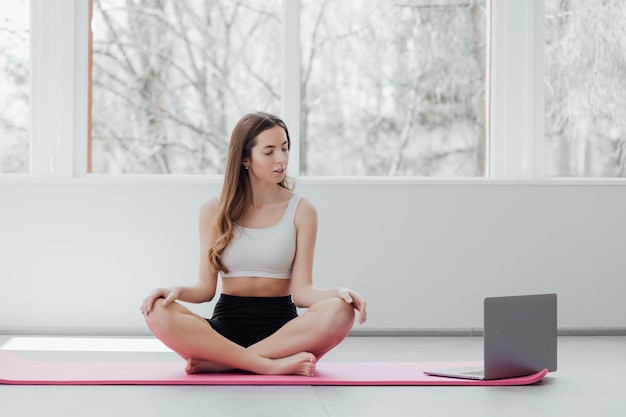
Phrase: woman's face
pixel 270 156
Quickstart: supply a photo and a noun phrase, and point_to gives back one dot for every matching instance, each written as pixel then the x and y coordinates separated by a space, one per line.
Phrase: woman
pixel 260 237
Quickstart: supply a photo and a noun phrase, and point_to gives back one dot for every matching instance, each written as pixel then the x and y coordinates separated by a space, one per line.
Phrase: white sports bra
pixel 266 253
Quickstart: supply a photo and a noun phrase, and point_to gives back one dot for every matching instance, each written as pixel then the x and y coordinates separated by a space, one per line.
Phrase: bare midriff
pixel 256 287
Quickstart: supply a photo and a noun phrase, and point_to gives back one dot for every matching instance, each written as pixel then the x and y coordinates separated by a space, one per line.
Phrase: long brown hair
pixel 236 191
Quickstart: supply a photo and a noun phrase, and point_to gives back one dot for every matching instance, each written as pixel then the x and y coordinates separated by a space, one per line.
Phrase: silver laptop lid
pixel 520 335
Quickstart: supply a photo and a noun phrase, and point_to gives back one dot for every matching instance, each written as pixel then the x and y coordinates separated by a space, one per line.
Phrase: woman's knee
pixel 340 315
pixel 160 316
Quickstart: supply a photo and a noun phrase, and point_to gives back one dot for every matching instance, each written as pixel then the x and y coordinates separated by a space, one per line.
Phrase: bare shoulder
pixel 306 211
pixel 306 206
pixel 208 210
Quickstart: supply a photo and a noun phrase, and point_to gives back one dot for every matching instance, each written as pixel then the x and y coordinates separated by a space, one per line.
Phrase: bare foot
pixel 299 364
pixel 199 366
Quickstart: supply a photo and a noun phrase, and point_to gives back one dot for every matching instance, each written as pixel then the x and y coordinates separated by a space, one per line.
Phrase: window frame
pixel 515 98
pixel 58 126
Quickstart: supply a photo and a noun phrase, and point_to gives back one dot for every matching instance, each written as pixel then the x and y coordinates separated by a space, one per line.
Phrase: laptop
pixel 520 338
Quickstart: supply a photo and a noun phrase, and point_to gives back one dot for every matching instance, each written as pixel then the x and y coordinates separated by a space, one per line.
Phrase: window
pixel 585 118
pixel 372 88
pixel 171 78
pixel 14 86
pixel 393 88
pixel 387 87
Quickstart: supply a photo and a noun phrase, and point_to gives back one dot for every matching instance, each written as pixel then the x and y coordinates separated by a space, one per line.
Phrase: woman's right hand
pixel 169 295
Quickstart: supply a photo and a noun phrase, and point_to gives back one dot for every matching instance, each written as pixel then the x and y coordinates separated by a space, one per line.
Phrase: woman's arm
pixel 205 288
pixel 302 289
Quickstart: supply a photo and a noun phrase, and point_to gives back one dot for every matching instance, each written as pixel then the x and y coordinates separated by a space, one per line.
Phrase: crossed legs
pixel 293 349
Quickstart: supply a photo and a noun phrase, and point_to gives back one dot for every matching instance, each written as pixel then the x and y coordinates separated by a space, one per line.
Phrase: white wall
pixel 79 256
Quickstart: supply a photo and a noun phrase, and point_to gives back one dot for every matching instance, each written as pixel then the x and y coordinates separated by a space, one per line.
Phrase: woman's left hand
pixel 356 300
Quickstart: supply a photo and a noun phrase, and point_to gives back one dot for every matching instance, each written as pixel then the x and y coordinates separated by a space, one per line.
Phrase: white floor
pixel 589 382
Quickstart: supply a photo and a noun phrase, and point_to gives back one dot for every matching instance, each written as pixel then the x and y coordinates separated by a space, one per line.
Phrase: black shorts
pixel 247 320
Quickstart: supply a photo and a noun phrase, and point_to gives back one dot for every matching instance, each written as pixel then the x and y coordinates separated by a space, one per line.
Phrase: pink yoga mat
pixel 17 370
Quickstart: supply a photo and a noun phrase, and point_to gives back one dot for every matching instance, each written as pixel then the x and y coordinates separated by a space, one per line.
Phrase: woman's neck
pixel 263 195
